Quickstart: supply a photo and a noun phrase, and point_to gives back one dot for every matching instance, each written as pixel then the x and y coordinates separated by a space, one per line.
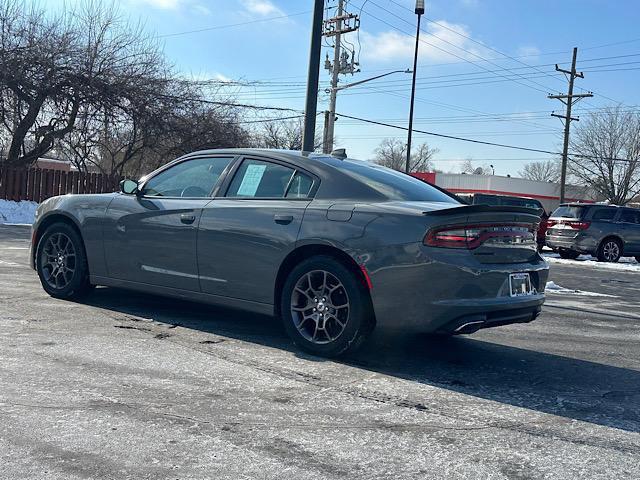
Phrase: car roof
pixel 587 205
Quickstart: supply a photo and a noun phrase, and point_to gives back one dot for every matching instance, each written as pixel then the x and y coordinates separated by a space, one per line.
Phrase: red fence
pixel 40 184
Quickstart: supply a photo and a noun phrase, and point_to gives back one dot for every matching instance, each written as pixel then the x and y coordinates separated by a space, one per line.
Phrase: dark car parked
pixel 333 246
pixel 511 201
pixel 607 232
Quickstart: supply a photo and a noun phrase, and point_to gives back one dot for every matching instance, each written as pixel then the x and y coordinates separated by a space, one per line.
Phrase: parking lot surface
pixel 126 385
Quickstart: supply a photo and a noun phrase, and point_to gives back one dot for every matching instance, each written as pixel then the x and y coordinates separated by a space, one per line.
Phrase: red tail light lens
pixel 472 236
pixel 579 225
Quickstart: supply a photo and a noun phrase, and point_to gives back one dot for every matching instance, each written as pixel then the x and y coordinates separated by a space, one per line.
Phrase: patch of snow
pixel 627 264
pixel 553 287
pixel 17 213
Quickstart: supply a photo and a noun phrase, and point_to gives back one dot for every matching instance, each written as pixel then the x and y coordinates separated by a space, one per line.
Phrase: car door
pixel 150 237
pixel 246 233
pixel 630 223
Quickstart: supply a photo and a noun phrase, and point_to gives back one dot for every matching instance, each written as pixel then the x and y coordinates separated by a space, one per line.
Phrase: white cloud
pixel 222 78
pixel 194 6
pixel 263 8
pixel 528 51
pixel 162 4
pixel 441 38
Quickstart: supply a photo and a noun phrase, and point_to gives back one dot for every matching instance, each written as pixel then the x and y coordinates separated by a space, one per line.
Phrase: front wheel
pixel 610 250
pixel 61 262
pixel 325 307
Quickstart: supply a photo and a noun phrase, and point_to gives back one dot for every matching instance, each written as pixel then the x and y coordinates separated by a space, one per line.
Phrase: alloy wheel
pixel 320 306
pixel 611 251
pixel 58 260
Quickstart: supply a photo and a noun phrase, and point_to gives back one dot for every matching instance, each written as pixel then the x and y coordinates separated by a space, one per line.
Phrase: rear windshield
pixel 394 185
pixel 568 211
pixel 499 200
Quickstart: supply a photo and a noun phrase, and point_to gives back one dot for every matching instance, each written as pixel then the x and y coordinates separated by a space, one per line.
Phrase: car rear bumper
pixel 494 318
pixel 579 243
pixel 442 291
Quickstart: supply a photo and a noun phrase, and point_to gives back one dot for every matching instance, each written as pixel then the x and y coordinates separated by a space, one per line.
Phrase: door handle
pixel 187 219
pixel 283 219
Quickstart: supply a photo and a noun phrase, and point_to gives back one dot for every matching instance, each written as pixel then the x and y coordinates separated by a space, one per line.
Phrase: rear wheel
pixel 638 258
pixel 610 250
pixel 325 308
pixel 568 254
pixel 61 262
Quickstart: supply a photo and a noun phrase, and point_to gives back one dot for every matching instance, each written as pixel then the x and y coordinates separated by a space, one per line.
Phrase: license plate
pixel 520 284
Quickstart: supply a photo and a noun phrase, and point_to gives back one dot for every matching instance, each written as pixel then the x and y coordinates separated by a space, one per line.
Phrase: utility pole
pixel 309 133
pixel 569 100
pixel 335 27
pixel 419 12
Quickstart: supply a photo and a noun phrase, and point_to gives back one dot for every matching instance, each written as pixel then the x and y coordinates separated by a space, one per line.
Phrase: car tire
pixel 568 254
pixel 61 262
pixel 610 250
pixel 637 258
pixel 312 307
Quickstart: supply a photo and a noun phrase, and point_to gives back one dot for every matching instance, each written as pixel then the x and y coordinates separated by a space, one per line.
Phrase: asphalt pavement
pixel 126 385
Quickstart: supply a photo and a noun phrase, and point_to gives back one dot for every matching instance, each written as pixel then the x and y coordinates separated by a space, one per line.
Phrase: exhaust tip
pixel 469 327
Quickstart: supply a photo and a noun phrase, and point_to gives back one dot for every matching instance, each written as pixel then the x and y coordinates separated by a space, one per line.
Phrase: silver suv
pixel 604 231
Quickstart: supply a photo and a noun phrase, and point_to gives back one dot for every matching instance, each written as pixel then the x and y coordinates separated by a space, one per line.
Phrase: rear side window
pixel 300 186
pixel 603 215
pixel 260 179
pixel 568 211
pixel 630 216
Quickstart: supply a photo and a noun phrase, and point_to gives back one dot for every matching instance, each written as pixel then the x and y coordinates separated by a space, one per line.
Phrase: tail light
pixel 579 225
pixel 472 236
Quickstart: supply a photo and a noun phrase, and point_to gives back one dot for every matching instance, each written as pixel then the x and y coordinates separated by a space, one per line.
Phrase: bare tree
pixel 54 67
pixel 283 134
pixel 392 153
pixel 546 171
pixel 468 167
pixel 608 145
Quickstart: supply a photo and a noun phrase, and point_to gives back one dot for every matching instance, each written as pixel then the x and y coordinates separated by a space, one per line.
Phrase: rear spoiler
pixel 464 209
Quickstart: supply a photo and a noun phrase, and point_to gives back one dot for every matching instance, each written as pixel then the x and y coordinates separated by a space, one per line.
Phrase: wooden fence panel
pixel 39 184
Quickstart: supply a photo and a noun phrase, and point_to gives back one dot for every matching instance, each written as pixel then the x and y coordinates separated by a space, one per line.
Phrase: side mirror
pixel 129 187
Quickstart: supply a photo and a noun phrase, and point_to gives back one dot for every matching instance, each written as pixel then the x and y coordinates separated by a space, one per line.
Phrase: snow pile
pixel 625 264
pixel 553 287
pixel 17 213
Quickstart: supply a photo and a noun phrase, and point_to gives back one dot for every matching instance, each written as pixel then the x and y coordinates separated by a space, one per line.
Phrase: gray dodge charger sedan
pixel 335 247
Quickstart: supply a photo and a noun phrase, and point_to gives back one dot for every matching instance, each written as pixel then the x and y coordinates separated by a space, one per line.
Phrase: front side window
pixel 189 179
pixel 259 179
pixel 604 215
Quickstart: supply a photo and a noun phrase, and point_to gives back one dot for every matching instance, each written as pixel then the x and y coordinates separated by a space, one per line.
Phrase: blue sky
pixel 459 93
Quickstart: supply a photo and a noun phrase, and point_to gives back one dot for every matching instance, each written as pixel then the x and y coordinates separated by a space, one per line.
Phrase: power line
pixel 232 25
pixel 482 142
pixel 266 120
pixel 486 46
pixel 449 52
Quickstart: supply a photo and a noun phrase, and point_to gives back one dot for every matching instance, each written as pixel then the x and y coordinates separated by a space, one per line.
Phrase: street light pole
pixel 419 12
pixel 309 133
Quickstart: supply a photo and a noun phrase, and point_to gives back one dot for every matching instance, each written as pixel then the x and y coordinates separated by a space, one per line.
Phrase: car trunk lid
pixel 493 234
